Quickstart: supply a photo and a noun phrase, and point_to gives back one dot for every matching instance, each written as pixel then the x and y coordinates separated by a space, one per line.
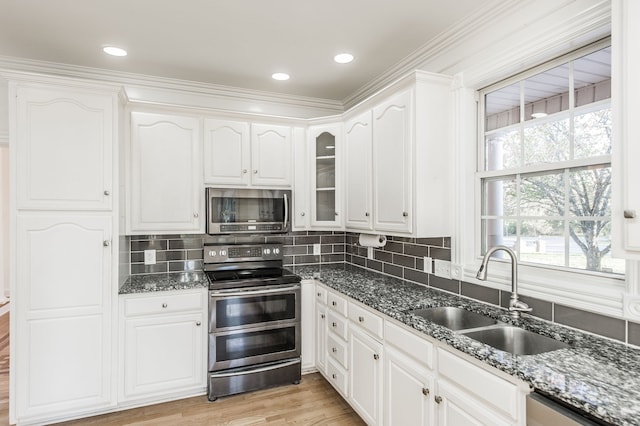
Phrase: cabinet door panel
pixel 64 143
pixel 321 337
pixel 166 188
pixel 271 155
pixel 458 408
pixel 365 372
pixel 358 177
pixel 163 354
pixel 409 391
pixel 226 152
pixel 392 143
pixel 325 152
pixel 63 342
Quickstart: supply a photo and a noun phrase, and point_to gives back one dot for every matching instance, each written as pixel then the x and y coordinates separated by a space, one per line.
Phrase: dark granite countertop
pixel 595 375
pixel 149 283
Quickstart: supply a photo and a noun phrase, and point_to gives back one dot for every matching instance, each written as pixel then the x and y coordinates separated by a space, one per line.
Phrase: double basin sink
pixel 489 331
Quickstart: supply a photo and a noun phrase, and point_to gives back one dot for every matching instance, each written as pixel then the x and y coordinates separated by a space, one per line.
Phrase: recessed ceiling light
pixel 343 58
pixel 280 76
pixel 538 114
pixel 114 51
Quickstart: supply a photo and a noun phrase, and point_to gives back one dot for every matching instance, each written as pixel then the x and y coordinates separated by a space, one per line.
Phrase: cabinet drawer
pixel 483 385
pixel 163 303
pixel 337 303
pixel 338 324
pixel 321 294
pixel 337 349
pixel 415 346
pixel 366 319
pixel 337 377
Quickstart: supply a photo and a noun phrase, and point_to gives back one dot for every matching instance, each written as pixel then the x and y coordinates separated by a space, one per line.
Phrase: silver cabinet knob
pixel 437 399
pixel 198 323
pixel 334 325
pixel 106 192
pixel 376 357
pixel 319 294
pixel 195 214
pixel 405 214
pixel 629 214
pixel 164 305
pixel 367 214
pixel 244 171
pixel 322 316
pixel 333 376
pixel 302 214
pixel 361 319
pixel 425 391
pixel 334 350
pixel 333 303
pixel 106 243
pixel 255 172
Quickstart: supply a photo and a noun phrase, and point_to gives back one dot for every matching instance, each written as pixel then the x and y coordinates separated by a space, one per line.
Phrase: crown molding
pixel 168 91
pixel 550 25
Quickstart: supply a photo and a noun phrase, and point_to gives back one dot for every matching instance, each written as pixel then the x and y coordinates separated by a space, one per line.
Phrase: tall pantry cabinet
pixel 63 149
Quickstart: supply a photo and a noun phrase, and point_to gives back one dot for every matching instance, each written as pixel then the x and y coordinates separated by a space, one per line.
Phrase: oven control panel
pixel 241 253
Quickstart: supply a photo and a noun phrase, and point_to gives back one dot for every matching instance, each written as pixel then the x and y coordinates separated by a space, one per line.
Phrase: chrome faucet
pixel 516 307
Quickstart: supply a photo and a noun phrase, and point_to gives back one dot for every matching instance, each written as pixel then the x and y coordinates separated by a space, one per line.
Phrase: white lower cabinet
pixel 393 375
pixel 164 351
pixel 365 374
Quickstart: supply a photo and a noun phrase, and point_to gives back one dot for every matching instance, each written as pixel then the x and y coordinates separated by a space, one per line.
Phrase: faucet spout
pixel 516 306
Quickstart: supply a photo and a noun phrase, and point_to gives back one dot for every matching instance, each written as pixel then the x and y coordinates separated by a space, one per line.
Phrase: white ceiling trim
pixel 178 92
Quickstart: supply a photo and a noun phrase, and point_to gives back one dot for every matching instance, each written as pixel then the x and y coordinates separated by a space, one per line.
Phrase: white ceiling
pixel 237 43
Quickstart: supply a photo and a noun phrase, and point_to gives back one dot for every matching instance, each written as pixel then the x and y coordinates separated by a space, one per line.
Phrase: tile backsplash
pixel 401 257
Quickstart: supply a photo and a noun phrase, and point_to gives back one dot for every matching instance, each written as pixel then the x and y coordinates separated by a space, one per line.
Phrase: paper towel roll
pixel 368 240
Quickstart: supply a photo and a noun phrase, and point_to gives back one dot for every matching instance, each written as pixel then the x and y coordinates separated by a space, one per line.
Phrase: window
pixel 545 167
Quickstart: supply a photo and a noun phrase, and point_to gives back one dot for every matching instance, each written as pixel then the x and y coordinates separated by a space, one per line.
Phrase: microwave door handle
pixel 252 292
pixel 286 211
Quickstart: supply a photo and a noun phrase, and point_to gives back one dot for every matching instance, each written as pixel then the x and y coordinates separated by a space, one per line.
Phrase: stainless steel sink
pixel 515 340
pixel 454 318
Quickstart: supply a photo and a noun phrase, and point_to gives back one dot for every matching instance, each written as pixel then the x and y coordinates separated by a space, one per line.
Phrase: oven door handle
pixel 257 370
pixel 253 292
pixel 286 213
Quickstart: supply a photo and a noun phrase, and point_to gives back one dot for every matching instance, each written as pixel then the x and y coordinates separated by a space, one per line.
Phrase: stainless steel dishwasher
pixel 544 411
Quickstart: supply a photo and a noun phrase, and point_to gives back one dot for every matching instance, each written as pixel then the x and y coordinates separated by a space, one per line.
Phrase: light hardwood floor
pixel 312 402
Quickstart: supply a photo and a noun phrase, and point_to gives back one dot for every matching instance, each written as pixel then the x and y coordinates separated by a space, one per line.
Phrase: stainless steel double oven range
pixel 254 303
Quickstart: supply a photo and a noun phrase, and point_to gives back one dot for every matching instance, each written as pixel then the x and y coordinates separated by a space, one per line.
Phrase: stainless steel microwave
pixel 247 211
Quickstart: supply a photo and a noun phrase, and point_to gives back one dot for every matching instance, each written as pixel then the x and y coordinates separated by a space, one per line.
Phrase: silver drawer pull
pixel 106 243
pixel 437 399
pixel 405 214
pixel 334 350
pixel 629 214
pixel 164 305
pixel 333 376
pixel 106 192
pixel 333 303
pixel 425 391
pixel 198 323
pixel 322 316
pixel 333 324
pixel 361 319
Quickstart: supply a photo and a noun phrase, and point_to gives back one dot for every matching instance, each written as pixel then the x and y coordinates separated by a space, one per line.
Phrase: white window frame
pixel 586 290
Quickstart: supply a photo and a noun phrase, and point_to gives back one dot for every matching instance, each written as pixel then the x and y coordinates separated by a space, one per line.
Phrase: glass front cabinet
pixel 325 153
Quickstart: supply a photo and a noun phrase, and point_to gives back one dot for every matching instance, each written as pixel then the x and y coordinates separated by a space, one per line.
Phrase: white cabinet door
pixel 324 149
pixel 166 174
pixel 63 346
pixel 392 153
pixel 227 152
pixel 164 354
pixel 300 220
pixel 358 176
pixel 456 407
pixel 321 337
pixel 271 155
pixel 64 149
pixel 365 376
pixel 626 109
pixel 409 391
pixel 308 324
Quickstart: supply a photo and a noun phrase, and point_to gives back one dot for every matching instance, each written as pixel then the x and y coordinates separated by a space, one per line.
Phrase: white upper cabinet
pixel 626 109
pixel 166 190
pixel 392 149
pixel 65 140
pixel 399 160
pixel 358 176
pixel 271 155
pixel 324 150
pixel 227 152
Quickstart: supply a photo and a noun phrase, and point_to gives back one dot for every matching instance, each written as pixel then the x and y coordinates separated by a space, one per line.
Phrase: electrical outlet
pixel 149 257
pixel 316 249
pixel 443 268
pixel 369 252
pixel 428 265
pixel 456 272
